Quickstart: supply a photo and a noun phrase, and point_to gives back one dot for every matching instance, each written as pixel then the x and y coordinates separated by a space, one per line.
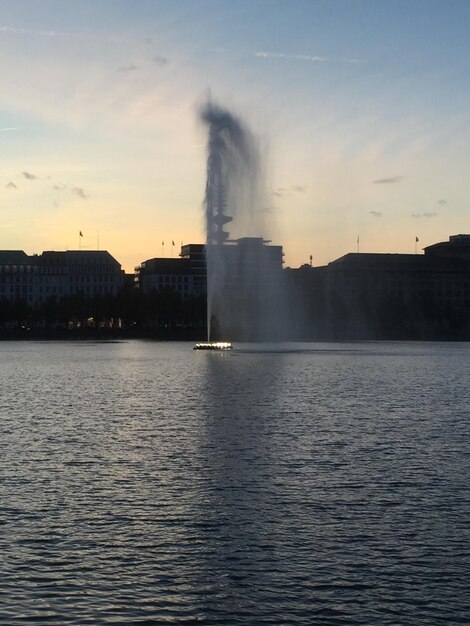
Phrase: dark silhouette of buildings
pixel 185 276
pixel 247 289
pixel 358 296
pixel 35 278
pixel 386 295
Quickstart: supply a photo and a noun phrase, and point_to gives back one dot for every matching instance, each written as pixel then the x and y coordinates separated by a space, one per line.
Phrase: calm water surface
pixel 143 482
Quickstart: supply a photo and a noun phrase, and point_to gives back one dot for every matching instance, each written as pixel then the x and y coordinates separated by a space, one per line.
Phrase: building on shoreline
pixel 358 295
pixel 185 276
pixel 245 282
pixel 369 294
pixel 38 277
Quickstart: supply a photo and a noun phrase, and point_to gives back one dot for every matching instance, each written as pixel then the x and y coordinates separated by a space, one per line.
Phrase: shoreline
pixel 198 335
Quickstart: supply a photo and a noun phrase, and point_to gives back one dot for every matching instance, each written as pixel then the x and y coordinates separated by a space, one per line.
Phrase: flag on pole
pixel 81 234
pixel 172 243
pixel 417 239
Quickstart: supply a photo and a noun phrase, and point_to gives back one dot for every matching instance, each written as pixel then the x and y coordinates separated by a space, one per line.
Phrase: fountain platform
pixel 214 345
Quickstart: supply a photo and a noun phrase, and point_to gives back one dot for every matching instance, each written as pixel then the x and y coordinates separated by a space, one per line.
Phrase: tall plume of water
pixel 232 195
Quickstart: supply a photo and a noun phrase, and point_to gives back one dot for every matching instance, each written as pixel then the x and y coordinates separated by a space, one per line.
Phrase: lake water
pixel 143 482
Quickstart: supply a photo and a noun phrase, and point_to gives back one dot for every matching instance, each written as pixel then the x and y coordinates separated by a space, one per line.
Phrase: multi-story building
pixel 185 275
pixel 245 281
pixel 35 278
pixel 363 294
pixel 245 288
pixel 441 274
pixel 196 253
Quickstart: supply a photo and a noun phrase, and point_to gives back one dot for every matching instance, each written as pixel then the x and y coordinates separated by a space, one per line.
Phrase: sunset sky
pixel 362 109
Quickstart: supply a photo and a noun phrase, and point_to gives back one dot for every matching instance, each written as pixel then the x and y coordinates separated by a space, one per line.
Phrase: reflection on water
pixel 312 483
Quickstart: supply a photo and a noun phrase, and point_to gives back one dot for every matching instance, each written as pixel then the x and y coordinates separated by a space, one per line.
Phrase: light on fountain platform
pixel 214 345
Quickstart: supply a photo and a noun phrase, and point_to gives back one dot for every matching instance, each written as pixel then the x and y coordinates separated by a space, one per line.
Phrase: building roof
pixel 14 257
pixel 63 258
pixel 397 262
pixel 78 257
pixel 457 246
pixel 166 266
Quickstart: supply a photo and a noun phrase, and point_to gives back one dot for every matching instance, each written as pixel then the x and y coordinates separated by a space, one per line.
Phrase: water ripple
pixel 143 483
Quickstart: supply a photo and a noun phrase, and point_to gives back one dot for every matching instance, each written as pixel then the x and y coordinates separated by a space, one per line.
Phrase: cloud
pixel 8 129
pixel 160 60
pixel 11 185
pixel 442 202
pixel 376 213
pixel 28 31
pixel 264 54
pixel 351 60
pixel 78 191
pixel 127 68
pixel 268 209
pixel 388 181
pixel 287 191
pixel 297 57
pixel 29 176
pixel 425 214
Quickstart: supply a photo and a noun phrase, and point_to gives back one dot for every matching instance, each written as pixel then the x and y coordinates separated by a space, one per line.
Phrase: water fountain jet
pixel 243 273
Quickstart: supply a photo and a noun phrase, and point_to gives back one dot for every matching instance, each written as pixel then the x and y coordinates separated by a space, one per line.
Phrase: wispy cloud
pixel 310 58
pixel 425 214
pixel 287 191
pixel 376 213
pixel 442 202
pixel 297 57
pixel 8 129
pixel 11 185
pixel 78 191
pixel 28 31
pixel 127 68
pixel 29 176
pixel 159 60
pixel 388 181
